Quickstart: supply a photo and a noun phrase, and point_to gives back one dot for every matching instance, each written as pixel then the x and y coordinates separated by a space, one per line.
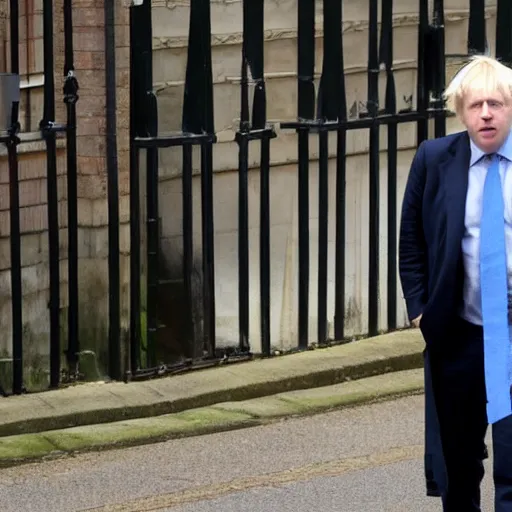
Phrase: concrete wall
pixel 170 38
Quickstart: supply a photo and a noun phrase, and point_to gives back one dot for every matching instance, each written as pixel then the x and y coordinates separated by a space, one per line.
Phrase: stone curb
pixel 219 417
pixel 97 403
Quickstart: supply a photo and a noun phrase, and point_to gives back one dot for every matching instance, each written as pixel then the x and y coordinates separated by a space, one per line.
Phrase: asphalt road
pixel 366 459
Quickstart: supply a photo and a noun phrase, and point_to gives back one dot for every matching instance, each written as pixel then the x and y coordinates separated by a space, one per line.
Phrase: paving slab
pixel 207 420
pixel 26 447
pixel 142 431
pixel 355 392
pixel 100 402
pixel 266 407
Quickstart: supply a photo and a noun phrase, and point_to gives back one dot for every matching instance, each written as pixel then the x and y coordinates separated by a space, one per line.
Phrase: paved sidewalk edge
pixel 219 417
pixel 313 379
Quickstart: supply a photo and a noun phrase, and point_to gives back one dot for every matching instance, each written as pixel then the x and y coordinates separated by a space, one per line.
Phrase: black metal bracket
pixel 71 88
pixel 265 133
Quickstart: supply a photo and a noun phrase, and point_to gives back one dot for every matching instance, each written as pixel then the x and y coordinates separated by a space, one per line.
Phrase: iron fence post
pixel 47 126
pixel 114 342
pixel 374 197
pixel 14 211
pixel 70 98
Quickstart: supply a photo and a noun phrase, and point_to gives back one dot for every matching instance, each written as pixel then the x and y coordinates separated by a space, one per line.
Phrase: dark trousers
pixel 459 389
pixel 435 469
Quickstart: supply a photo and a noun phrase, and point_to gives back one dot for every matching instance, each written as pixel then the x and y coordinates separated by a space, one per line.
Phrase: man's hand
pixel 416 322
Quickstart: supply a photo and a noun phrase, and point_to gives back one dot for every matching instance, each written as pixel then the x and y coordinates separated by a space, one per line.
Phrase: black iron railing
pixel 14 211
pixel 114 341
pixel 315 115
pixel 319 114
pixel 197 124
pixel 372 119
pixel 49 130
pixel 253 128
pixel 70 99
pixel 386 58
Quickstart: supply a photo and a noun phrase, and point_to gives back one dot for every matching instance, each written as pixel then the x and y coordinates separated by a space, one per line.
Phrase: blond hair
pixel 482 74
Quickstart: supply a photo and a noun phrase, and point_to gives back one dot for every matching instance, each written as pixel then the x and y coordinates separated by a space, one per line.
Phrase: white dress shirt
pixel 479 163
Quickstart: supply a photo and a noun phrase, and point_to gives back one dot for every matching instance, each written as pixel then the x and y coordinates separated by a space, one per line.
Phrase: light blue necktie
pixel 493 282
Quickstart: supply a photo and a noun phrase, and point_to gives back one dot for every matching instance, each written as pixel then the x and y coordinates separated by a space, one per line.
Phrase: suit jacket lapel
pixel 454 171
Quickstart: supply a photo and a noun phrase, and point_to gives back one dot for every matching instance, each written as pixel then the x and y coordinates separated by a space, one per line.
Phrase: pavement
pixel 366 458
pixel 97 416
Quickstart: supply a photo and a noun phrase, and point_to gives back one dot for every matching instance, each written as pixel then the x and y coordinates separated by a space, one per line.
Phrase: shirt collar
pixel 505 151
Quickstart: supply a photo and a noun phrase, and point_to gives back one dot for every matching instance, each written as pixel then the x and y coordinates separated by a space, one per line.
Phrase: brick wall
pixel 3 16
pixel 88 19
pixel 34 258
pixel 123 149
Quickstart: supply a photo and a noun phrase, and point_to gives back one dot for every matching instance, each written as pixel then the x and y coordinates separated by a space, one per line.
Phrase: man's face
pixel 488 118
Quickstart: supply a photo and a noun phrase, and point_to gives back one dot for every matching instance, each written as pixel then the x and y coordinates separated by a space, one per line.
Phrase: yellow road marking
pixel 308 472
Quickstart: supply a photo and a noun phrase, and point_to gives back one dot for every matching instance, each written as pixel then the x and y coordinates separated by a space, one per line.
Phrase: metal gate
pixel 317 115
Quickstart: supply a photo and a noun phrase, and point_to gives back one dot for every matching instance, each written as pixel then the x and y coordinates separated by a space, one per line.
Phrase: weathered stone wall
pixel 170 39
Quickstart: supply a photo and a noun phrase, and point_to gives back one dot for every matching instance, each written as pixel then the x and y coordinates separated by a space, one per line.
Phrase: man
pixel 456 273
